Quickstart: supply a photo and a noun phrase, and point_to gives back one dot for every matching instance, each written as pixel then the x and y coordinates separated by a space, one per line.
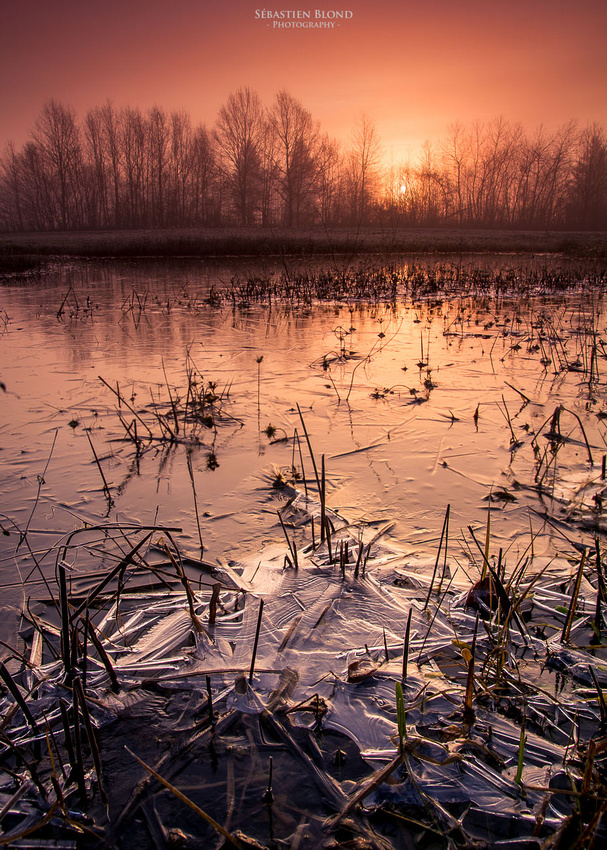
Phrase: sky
pixel 413 68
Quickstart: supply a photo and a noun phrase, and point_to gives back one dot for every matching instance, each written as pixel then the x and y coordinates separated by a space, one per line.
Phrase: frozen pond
pixel 180 394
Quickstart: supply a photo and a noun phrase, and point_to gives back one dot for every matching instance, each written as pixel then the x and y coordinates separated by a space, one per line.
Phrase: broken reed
pixel 555 441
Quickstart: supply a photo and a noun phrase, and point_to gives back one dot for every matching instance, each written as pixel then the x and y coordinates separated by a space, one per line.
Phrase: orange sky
pixel 414 67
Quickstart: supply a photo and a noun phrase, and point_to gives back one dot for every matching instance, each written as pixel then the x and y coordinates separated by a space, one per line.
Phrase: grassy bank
pixel 21 251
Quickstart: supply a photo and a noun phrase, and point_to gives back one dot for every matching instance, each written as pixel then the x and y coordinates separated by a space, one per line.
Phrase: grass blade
pixel 211 821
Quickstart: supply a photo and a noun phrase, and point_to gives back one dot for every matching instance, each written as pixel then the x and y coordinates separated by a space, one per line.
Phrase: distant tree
pixel 331 183
pixel 12 190
pixel 432 187
pixel 203 178
pixel 481 166
pixel 296 156
pixel 158 137
pixel 587 195
pixel 134 151
pixel 239 136
pixel 98 196
pixel 124 168
pixel 57 138
pixel 455 161
pixel 102 139
pixel 363 168
pixel 543 175
pixel 270 202
pixel 180 169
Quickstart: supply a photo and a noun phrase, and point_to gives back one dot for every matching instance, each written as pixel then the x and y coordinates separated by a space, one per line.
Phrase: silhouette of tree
pixel 331 184
pixel 124 168
pixel 105 157
pixel 134 151
pixel 363 168
pixel 588 189
pixel 13 198
pixel 239 135
pixel 57 138
pixel 296 152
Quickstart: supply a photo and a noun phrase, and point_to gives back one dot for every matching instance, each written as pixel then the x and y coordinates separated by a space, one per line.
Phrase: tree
pixel 57 137
pixel 158 164
pixel 12 190
pixel 588 188
pixel 330 181
pixel 363 168
pixel 238 135
pixel 202 177
pixel 102 138
pixel 295 158
pixel 134 149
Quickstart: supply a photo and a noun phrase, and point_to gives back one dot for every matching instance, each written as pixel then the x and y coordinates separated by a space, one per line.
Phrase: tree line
pixel 128 168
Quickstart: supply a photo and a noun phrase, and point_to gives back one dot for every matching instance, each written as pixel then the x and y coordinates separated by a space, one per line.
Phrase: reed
pixel 210 701
pixel 601 590
pixel 292 547
pixel 406 648
pixel 444 538
pixel 401 717
pixel 176 562
pixel 106 489
pixel 105 659
pixel 231 839
pixel 213 603
pixel 521 754
pixel 16 694
pixel 67 735
pixel 310 451
pixel 573 600
pixel 80 701
pixel 65 622
pixel 41 482
pixel 470 658
pixel 196 512
pixel 268 796
pixel 78 753
pixel 256 643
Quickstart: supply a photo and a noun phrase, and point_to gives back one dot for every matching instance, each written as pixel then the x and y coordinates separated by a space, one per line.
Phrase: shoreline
pixel 27 250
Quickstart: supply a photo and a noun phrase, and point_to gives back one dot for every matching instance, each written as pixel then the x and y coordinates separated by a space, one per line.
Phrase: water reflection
pixel 415 404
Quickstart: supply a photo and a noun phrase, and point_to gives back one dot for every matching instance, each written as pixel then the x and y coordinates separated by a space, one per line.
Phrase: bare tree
pixel 124 168
pixel 587 199
pixel 12 191
pixel 134 151
pixel 105 165
pixel 331 182
pixel 238 135
pixel 158 133
pixel 295 158
pixel 363 168
pixel 57 137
